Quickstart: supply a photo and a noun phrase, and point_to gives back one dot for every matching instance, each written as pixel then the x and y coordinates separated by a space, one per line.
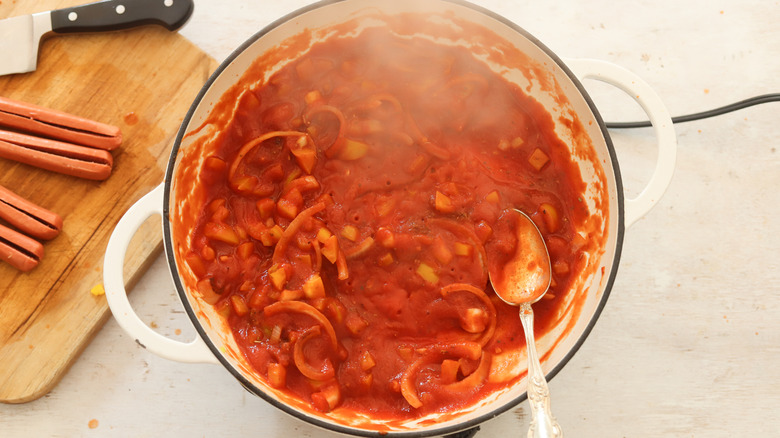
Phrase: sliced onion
pixel 435 353
pixel 305 309
pixel 370 102
pixel 317 255
pixel 338 143
pixel 246 148
pixel 295 225
pixel 479 293
pixel 341 265
pixel 424 142
pixel 304 367
pixel 472 380
pixel 407 386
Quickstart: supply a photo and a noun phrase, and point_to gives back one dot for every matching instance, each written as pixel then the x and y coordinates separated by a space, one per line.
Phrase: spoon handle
pixel 543 423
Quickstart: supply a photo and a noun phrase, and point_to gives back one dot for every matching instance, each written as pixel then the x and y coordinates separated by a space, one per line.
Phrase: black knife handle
pixel 110 15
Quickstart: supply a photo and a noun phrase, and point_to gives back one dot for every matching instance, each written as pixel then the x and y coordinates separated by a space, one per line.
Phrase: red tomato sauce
pixel 349 202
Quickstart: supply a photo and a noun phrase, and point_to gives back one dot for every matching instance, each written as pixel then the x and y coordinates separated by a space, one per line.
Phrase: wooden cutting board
pixel 141 80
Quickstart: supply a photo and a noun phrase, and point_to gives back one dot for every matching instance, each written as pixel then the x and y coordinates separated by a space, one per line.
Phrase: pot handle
pixel 659 116
pixel 116 295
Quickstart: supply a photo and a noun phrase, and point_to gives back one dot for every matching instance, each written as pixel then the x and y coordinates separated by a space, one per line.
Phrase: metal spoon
pixel 521 279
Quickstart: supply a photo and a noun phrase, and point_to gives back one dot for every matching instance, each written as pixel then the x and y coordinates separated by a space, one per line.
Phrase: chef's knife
pixel 21 36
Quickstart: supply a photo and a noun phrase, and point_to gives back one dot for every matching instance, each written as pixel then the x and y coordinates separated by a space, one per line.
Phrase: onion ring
pixel 289 232
pixel 246 148
pixel 487 334
pixel 299 357
pixel 435 353
pixel 306 309
pixel 338 143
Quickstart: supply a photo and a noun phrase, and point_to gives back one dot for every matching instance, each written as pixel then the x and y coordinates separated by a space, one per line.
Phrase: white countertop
pixel 689 342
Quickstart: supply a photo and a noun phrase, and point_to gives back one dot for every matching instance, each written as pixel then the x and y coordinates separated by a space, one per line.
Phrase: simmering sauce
pixel 348 204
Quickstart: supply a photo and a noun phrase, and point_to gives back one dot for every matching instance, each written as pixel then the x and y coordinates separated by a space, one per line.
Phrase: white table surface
pixel 689 342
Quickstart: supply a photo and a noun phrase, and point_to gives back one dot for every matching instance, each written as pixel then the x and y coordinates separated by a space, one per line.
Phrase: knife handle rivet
pixel 73 16
pixel 120 9
pixel 168 3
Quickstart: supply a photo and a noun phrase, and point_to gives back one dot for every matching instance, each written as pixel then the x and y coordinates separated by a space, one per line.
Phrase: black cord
pixel 756 100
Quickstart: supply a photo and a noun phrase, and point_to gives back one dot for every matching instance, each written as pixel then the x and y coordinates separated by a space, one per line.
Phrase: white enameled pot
pixel 546 77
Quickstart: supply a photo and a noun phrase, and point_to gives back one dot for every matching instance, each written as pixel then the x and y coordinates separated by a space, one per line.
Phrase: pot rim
pixel 248 385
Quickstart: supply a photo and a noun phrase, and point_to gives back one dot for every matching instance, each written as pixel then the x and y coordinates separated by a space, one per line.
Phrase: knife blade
pixel 20 36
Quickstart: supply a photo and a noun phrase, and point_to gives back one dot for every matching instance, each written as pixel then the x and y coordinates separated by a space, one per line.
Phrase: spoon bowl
pixel 519 265
pixel 520 272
